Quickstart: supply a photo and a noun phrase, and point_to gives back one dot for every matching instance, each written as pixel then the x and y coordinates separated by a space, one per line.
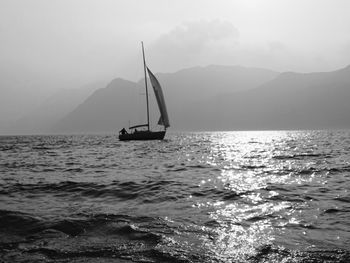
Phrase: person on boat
pixel 123 131
pixel 136 131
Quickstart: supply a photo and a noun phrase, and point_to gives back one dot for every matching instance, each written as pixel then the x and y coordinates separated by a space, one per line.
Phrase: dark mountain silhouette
pixel 104 111
pixel 290 101
pixel 122 101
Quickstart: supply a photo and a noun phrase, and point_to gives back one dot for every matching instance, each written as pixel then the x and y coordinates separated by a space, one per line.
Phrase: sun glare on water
pixel 253 214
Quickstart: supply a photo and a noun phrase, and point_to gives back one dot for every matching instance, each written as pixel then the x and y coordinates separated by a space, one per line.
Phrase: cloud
pixel 200 43
pixel 187 44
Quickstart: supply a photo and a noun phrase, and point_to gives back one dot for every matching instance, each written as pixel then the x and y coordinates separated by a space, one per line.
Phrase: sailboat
pixel 146 133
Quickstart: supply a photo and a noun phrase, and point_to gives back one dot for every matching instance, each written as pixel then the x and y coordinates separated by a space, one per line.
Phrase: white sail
pixel 163 120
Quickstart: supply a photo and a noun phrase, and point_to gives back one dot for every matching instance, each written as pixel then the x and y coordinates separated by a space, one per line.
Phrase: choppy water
pixel 194 197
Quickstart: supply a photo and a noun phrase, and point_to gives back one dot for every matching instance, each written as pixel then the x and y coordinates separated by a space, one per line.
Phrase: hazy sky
pixel 67 43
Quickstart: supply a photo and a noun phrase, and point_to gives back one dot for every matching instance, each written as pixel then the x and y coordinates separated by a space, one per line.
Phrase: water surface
pixel 194 197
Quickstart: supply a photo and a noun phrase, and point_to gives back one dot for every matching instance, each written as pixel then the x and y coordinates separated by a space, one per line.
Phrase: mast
pixel 144 68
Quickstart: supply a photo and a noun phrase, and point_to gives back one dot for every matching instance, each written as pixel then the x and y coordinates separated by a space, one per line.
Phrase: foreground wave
pixel 136 239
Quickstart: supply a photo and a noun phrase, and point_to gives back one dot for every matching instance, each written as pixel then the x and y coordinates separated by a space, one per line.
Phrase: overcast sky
pixel 50 44
pixel 86 40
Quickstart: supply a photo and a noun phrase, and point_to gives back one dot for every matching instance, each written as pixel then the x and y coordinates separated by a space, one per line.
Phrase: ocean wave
pixel 301 156
pixel 80 224
pixel 19 223
pixel 128 190
pixel 269 253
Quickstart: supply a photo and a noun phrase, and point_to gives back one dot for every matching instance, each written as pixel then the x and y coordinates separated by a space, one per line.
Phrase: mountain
pixel 41 119
pixel 199 83
pixel 104 111
pixel 113 107
pixel 20 93
pixel 290 101
pixel 216 98
pixel 23 90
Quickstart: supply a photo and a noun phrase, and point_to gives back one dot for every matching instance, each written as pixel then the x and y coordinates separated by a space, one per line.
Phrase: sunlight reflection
pixel 255 166
pixel 237 242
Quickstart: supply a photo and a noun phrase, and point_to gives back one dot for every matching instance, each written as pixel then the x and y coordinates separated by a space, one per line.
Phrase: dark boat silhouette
pixel 146 133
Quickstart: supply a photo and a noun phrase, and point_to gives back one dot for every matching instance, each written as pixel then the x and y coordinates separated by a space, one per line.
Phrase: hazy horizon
pixel 51 45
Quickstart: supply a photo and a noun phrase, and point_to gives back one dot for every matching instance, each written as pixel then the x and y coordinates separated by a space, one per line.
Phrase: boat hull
pixel 142 136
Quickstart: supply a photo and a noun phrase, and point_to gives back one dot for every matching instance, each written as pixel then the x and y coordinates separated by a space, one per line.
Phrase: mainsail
pixel 163 120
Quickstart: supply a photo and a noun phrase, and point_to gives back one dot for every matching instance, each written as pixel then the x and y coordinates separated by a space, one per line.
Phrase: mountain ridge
pixel 219 97
pixel 197 87
pixel 290 101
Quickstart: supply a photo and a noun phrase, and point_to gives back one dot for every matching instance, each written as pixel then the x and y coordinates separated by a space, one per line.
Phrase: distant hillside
pixel 111 108
pixel 198 83
pixel 290 101
pixel 20 94
pixel 52 110
pixel 104 111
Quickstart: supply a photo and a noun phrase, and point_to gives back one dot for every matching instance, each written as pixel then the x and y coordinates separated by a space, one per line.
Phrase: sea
pixel 257 196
